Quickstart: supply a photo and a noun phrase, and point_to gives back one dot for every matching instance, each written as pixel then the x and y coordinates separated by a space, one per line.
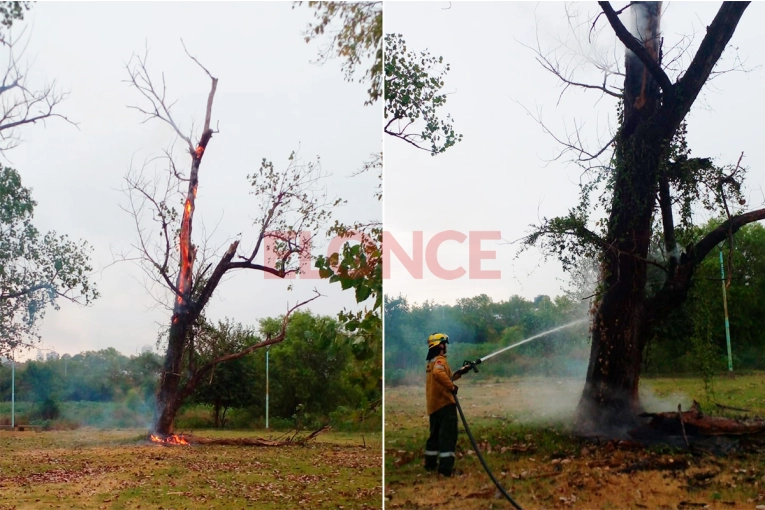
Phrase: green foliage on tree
pixel 310 369
pixel 354 31
pixel 35 269
pixel 413 96
pixel 692 338
pixel 230 384
pixel 10 12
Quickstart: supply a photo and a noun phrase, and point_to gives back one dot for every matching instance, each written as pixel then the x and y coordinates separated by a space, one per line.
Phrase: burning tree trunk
pixel 291 208
pixel 654 108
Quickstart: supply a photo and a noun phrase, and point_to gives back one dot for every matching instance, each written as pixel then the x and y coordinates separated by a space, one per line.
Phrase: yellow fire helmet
pixel 436 339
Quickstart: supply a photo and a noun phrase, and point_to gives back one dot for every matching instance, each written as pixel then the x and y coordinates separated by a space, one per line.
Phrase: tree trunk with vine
pixel 624 316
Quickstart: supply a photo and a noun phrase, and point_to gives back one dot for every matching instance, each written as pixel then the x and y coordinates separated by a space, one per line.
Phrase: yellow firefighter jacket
pixel 438 384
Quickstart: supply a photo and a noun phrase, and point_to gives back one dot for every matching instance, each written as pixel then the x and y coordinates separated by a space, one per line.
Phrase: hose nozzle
pixel 468 365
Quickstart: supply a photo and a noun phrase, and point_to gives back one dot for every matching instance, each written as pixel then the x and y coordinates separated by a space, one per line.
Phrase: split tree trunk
pixel 654 108
pixel 185 310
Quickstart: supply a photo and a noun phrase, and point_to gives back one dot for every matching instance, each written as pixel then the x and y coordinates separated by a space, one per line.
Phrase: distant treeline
pixel 314 375
pixel 478 326
pixel 691 340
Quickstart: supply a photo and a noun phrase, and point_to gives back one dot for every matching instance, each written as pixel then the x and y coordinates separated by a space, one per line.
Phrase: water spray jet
pixel 471 365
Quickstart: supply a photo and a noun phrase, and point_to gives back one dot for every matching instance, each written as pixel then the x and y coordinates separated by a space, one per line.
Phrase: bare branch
pixel 719 33
pixel 20 104
pixel 554 68
pixel 141 80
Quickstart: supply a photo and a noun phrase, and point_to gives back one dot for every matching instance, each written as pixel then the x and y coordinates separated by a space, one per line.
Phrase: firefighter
pixel 442 409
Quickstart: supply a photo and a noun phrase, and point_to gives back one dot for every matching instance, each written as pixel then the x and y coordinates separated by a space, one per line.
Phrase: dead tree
pixel 292 212
pixel 644 177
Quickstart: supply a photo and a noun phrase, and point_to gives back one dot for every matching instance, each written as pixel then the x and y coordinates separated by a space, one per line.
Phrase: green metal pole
pixel 725 306
pixel 13 391
pixel 267 387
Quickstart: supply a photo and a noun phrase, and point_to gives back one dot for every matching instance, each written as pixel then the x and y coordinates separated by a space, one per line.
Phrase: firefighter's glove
pixel 454 391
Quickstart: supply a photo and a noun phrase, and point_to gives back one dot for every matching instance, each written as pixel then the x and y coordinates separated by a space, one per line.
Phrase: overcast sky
pixel 498 178
pixel 271 100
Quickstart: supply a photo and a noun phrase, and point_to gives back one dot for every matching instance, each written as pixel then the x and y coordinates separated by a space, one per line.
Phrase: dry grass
pixel 523 426
pixel 88 469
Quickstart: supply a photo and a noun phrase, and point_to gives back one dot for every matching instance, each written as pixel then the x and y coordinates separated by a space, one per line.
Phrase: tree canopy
pixel 35 269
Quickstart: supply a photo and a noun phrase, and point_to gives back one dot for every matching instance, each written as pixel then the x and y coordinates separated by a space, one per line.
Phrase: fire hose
pixel 471 365
pixel 467 366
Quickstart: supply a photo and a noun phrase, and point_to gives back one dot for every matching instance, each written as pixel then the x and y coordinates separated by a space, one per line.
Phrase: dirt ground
pixel 92 469
pixel 523 426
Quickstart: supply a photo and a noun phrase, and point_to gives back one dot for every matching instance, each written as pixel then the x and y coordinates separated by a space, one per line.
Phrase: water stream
pixel 538 335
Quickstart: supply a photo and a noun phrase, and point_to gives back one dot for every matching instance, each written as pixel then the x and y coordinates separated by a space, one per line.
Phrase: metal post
pixel 725 306
pixel 267 386
pixel 13 391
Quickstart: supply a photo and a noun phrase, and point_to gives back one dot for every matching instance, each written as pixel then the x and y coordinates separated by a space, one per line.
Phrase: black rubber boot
pixel 431 446
pixel 447 438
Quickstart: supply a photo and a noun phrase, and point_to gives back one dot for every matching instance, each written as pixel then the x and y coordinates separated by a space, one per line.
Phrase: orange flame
pixel 174 439
pixel 200 150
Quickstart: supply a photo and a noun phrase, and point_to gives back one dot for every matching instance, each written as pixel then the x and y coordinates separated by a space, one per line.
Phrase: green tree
pixel 413 95
pixel 310 368
pixel 41 380
pixel 35 269
pixel 10 12
pixel 143 371
pixel 354 31
pixel 231 384
pixel 674 343
pixel 98 376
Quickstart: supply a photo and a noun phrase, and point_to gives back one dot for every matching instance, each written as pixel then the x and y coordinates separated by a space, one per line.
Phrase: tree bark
pixel 185 311
pixel 653 110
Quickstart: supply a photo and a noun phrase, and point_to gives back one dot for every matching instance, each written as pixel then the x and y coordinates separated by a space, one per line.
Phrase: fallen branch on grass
pixel 696 423
pixel 257 441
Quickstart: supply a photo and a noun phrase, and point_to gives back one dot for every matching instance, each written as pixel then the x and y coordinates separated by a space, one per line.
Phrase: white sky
pixel 497 177
pixel 271 99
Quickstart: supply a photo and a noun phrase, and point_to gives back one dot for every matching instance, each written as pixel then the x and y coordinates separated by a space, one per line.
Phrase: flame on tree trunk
pixel 654 108
pixel 185 313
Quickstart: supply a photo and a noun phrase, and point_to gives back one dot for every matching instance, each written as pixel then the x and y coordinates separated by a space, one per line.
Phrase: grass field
pixel 523 426
pixel 89 469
